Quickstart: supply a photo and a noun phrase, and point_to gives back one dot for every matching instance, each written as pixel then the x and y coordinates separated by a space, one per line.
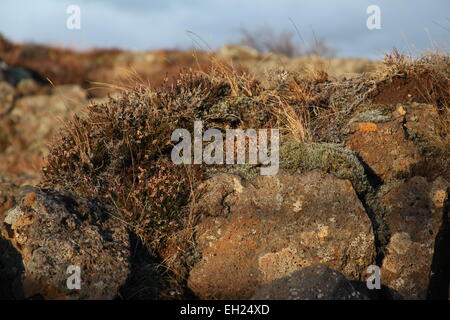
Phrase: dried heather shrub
pixel 119 152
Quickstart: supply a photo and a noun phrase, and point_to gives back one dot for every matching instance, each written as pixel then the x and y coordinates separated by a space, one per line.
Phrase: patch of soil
pixel 420 88
pixel 401 90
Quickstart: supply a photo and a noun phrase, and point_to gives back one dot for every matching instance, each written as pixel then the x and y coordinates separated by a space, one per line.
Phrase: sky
pixel 412 26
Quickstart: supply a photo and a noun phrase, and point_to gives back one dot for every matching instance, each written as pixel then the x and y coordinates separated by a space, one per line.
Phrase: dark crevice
pixel 148 280
pixel 375 211
pixel 11 270
pixel 438 287
pixel 375 180
pixel 144 281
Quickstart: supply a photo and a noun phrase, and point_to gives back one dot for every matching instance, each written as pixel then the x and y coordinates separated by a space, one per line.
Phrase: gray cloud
pixel 133 24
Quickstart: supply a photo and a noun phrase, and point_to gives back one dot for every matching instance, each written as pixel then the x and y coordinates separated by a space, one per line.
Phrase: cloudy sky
pixel 410 25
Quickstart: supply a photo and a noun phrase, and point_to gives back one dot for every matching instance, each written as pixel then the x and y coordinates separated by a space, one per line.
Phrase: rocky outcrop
pixel 259 231
pixel 316 282
pixel 56 236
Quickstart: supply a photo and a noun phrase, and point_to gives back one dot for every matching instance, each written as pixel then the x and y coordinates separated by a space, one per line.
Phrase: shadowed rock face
pixel 414 214
pixel 316 282
pixel 52 232
pixel 272 226
pixel 11 269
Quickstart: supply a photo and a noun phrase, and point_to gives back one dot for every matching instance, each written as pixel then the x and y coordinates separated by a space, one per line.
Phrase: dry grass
pixel 293 121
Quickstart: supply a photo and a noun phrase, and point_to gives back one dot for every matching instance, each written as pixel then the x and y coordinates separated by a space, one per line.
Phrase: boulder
pixel 316 282
pixel 27 129
pixel 254 232
pixel 56 236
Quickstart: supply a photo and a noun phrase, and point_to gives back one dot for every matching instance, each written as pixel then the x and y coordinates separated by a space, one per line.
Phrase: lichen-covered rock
pixel 316 282
pixel 414 213
pixel 256 232
pixel 52 232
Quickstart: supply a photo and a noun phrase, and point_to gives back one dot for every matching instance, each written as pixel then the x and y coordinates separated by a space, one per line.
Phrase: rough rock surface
pixel 414 215
pixel 52 232
pixel 316 282
pixel 257 232
pixel 384 147
pixel 30 125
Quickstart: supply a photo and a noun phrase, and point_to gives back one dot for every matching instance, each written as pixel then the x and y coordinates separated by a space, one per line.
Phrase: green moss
pixel 332 158
pixel 245 171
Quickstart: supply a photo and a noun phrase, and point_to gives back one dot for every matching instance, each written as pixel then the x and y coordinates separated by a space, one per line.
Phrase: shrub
pixel 267 40
pixel 119 151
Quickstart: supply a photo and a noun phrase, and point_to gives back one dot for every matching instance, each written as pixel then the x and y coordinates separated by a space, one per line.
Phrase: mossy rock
pixel 332 158
pixel 245 171
pixel 374 115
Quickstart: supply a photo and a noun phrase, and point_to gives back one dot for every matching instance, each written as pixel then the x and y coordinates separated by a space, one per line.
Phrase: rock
pixel 14 75
pixel 316 282
pixel 259 231
pixel 8 194
pixel 6 97
pixel 27 86
pixel 232 51
pixel 398 155
pixel 28 128
pixel 429 129
pixel 52 232
pixel 413 137
pixel 414 214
